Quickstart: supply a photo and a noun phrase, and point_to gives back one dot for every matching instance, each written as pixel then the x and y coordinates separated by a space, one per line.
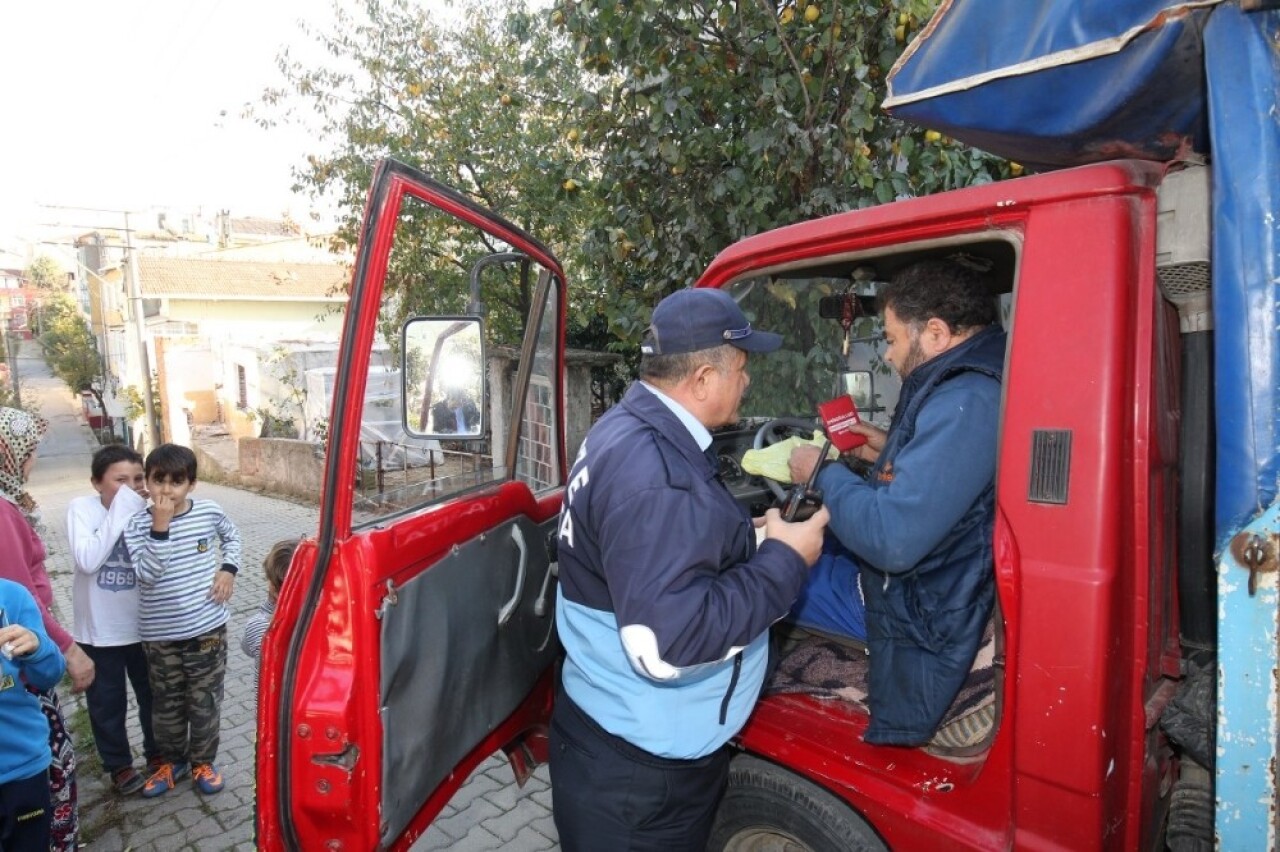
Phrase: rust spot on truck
pixel 1255 553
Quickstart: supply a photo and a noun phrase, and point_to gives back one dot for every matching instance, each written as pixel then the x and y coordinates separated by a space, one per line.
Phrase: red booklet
pixel 838 415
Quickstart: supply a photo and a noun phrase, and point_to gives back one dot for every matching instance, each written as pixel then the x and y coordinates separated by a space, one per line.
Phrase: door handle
pixel 504 614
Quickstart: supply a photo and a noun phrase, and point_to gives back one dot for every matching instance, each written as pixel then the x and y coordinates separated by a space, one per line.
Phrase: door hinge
pixel 390 599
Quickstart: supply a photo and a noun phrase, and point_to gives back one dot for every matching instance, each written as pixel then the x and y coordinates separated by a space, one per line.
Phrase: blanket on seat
pixel 828 668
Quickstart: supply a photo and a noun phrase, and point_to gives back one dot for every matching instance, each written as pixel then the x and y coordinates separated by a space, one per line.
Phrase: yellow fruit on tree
pixel 932 136
pixel 899 34
pixel 570 185
pixel 505 100
pixel 903 19
pixel 812 13
pixel 788 13
pixel 1015 169
pixel 573 136
pixel 557 17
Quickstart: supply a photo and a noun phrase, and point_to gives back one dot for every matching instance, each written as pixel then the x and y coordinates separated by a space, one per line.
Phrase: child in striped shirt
pixel 274 566
pixel 186 553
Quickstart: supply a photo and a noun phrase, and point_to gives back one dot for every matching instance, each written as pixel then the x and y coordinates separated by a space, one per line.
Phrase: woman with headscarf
pixel 22 560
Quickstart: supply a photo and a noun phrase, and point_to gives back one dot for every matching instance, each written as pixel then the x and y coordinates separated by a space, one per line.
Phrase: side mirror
pixel 442 365
pixel 860 385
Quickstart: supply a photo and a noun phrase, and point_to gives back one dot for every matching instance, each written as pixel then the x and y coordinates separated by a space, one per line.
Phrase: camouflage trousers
pixel 186 687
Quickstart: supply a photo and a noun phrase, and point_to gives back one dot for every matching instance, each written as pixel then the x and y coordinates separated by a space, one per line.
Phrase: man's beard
pixel 915 357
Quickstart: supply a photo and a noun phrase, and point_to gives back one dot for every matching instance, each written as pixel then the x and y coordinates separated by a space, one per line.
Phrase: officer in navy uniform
pixel 665 601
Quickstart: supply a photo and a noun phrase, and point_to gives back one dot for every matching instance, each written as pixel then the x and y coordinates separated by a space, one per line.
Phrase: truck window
pixel 538 450
pixel 430 273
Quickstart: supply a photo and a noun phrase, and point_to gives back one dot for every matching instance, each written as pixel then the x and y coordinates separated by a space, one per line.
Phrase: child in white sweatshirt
pixel 105 603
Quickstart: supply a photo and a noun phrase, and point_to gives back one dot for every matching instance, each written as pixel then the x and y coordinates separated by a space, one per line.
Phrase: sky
pixel 136 104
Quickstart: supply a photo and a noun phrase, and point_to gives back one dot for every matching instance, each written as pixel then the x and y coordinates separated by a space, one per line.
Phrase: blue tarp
pixel 1060 82
pixel 1243 96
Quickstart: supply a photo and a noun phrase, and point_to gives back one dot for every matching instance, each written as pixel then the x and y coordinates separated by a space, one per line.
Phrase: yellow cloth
pixel 771 462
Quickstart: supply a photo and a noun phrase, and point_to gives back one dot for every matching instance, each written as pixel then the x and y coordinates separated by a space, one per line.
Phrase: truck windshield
pixel 808 369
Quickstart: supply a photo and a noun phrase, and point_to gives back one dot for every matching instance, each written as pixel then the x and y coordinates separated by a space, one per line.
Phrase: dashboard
pixel 730 443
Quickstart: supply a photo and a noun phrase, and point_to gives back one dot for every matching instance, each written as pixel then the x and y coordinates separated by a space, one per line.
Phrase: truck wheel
pixel 768 809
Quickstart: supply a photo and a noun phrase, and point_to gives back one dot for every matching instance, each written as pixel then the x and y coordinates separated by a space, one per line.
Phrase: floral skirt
pixel 62 775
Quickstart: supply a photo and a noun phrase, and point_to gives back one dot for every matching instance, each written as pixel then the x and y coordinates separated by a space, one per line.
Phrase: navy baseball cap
pixel 702 318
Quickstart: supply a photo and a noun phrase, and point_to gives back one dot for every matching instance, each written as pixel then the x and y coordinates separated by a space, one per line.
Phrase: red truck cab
pixel 415 636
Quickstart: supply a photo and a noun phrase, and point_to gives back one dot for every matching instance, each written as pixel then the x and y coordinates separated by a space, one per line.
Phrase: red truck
pixel 415 635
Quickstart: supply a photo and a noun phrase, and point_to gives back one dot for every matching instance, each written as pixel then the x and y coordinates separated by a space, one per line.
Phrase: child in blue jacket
pixel 26 655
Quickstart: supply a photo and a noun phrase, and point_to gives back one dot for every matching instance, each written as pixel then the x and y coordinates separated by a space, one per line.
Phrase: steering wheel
pixel 777 430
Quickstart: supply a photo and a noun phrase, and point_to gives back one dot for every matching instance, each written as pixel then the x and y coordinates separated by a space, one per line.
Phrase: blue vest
pixel 924 627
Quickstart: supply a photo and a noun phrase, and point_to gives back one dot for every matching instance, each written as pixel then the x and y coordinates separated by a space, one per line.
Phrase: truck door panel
pixel 443 630
pixel 422 639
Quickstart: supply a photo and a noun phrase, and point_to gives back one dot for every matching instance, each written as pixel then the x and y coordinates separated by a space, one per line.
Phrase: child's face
pixel 176 489
pixel 122 474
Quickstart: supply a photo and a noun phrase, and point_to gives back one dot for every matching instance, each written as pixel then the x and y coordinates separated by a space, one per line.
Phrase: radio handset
pixel 804 500
pixel 838 416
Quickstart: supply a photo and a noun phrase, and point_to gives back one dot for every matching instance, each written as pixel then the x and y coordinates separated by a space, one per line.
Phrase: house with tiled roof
pixel 223 334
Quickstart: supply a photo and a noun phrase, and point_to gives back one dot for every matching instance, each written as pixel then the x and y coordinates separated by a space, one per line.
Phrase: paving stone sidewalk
pixel 489 812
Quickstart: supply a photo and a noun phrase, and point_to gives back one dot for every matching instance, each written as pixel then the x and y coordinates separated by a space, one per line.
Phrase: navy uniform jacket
pixel 921 528
pixel 664 602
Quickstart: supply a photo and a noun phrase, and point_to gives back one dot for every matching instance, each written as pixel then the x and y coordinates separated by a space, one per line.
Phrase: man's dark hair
pixel 673 368
pixel 109 455
pixel 961 297
pixel 172 462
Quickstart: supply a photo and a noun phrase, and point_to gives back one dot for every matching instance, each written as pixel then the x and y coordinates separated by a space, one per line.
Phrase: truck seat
pixel 836 668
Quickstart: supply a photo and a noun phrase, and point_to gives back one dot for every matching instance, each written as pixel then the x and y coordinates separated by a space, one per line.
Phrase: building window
pixel 242 389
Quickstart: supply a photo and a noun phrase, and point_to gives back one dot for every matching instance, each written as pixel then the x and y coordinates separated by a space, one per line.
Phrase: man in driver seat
pixel 916 582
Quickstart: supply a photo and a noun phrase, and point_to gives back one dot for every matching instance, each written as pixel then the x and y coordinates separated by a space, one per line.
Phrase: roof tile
pixel 180 277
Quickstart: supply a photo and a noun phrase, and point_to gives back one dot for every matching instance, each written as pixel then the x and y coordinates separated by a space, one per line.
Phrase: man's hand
pixel 802 461
pixel 804 537
pixel 18 641
pixel 163 507
pixel 79 668
pixel 870 451
pixel 223 585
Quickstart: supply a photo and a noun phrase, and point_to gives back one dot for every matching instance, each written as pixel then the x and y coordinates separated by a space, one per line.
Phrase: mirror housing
pixel 442 366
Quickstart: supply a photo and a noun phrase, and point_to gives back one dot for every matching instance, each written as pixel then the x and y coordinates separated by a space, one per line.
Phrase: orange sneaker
pixel 164 779
pixel 207 777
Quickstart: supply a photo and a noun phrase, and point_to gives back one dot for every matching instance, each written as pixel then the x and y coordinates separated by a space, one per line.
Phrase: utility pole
pixel 139 325
pixel 133 289
pixel 13 366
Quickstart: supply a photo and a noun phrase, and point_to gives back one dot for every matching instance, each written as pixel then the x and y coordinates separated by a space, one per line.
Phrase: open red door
pixel 415 634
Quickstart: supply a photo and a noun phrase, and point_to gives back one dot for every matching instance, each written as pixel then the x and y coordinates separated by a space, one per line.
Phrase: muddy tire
pixel 768 809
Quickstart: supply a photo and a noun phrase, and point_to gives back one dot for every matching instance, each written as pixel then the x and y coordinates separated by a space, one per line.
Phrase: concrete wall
pixel 185 376
pixel 282 466
pixel 253 320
